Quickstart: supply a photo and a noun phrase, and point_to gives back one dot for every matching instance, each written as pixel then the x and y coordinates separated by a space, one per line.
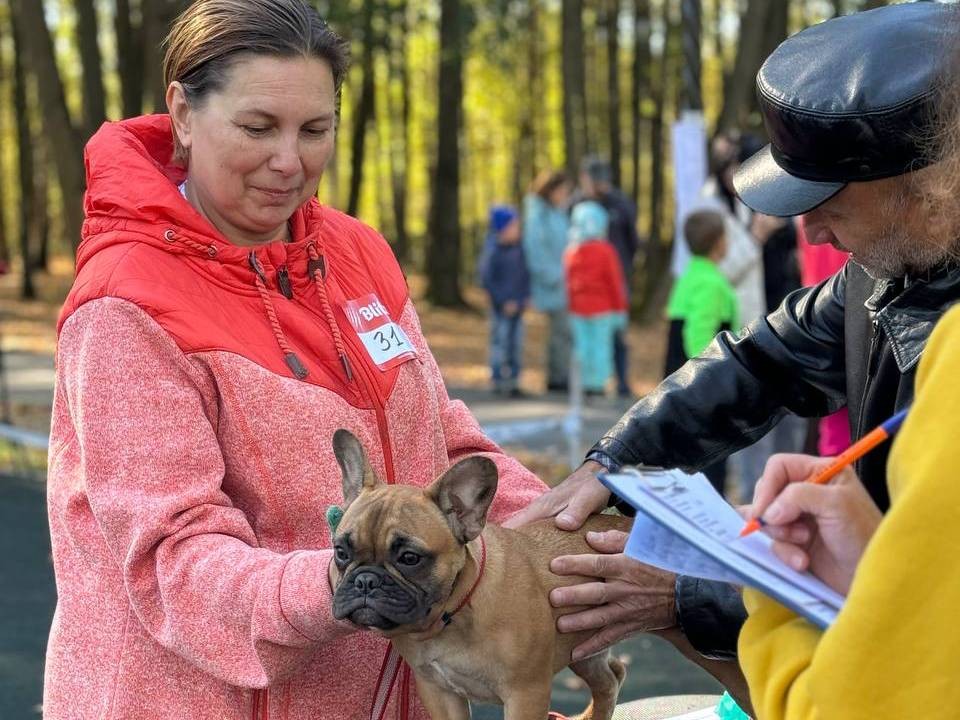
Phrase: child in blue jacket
pixel 504 274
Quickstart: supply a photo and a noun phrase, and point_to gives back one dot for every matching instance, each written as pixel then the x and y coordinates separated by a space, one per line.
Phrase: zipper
pixel 261 704
pixel 871 371
pixel 283 282
pixel 369 387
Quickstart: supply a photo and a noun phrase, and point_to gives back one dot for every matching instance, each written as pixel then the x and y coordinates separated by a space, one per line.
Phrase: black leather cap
pixel 851 99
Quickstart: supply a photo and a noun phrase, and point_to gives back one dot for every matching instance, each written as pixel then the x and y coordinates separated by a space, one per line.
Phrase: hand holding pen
pixel 823 528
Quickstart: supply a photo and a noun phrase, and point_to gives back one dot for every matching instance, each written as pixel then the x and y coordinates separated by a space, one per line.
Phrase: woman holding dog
pixel 223 325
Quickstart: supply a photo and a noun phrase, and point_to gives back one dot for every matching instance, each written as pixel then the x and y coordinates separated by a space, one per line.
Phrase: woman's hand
pixel 823 528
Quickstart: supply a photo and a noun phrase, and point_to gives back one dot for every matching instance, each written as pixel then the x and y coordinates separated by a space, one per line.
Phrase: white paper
pixel 686 527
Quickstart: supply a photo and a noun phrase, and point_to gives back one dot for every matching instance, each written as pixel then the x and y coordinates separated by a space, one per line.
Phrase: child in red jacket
pixel 597 297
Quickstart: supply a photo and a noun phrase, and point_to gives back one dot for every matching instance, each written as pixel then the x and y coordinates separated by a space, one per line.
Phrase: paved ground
pixel 27 594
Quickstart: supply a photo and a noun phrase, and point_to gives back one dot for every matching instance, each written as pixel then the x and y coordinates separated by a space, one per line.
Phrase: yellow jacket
pixel 894 650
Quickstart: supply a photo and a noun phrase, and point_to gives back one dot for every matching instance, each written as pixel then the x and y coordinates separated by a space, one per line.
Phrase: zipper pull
pixel 317 263
pixel 283 282
pixel 345 361
pixel 257 267
pixel 874 346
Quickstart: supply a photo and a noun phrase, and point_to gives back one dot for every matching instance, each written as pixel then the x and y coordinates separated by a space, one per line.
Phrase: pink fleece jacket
pixel 198 388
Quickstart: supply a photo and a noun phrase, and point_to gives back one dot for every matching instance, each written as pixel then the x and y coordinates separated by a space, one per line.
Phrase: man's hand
pixel 572 501
pixel 823 528
pixel 631 598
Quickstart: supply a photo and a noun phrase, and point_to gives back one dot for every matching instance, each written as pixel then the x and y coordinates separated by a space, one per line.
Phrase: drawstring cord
pixel 318 270
pixel 209 250
pixel 289 356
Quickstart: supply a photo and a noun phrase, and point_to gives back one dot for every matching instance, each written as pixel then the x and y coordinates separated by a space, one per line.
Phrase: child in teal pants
pixel 597 297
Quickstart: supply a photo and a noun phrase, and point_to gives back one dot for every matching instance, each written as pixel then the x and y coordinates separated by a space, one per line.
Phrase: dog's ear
pixel 464 494
pixel 357 473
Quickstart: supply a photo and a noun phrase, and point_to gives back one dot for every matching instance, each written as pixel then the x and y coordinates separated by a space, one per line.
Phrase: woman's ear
pixel 180 113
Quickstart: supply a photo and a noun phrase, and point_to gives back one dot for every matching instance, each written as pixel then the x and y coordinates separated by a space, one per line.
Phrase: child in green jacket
pixel 702 302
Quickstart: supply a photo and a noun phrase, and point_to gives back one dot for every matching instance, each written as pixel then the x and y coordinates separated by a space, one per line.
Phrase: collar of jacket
pixel 908 308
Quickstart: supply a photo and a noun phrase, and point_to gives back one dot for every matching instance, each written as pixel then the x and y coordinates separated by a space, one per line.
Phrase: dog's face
pixel 399 549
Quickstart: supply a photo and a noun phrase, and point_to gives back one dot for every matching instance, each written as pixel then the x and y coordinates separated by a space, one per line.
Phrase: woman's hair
pixel 210 35
pixel 548 181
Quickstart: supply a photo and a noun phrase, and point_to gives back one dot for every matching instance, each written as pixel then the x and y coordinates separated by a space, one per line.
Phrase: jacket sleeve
pixel 886 655
pixel 152 470
pixel 739 387
pixel 463 436
pixel 727 398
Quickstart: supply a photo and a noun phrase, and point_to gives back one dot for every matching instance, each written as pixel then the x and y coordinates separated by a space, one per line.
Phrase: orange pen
pixel 849 456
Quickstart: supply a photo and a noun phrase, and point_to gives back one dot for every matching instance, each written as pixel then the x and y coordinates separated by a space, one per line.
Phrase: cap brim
pixel 766 187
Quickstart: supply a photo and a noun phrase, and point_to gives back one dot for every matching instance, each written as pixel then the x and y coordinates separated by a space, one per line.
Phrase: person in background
pixel 596 182
pixel 506 279
pixel 598 301
pixel 546 228
pixel 701 304
pixel 743 263
pixel 818 263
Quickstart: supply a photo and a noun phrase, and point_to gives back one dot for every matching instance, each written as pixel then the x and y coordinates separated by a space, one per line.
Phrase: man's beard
pixel 896 253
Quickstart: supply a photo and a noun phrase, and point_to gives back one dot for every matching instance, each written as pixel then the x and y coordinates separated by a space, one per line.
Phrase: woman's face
pixel 560 196
pixel 257 147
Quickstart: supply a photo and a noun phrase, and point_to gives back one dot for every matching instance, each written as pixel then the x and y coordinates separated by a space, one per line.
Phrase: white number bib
pixel 385 342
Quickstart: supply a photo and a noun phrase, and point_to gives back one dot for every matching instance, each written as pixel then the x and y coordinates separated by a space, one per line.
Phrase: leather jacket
pixel 851 340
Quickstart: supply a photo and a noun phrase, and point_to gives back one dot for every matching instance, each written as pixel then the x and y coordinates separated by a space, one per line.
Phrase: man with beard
pixel 848 149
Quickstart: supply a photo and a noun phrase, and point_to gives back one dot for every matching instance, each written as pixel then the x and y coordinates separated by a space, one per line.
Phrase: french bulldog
pixel 466 604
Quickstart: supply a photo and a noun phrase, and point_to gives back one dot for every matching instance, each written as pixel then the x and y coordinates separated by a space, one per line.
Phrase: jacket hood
pixel 133 187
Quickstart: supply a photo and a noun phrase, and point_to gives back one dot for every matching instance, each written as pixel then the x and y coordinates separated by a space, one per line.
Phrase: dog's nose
pixel 366 581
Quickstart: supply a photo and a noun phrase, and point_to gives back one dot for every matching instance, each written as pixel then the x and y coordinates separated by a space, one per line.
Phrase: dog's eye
pixel 408 558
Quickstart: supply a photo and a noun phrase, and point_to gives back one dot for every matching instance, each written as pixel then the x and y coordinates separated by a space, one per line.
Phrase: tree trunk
pixel 65 141
pixel 574 84
pixel 5 253
pixel 399 133
pixel 443 255
pixel 656 274
pixel 364 111
pixel 157 17
pixel 691 90
pixel 778 15
pixel 640 85
pixel 739 89
pixel 129 58
pixel 526 157
pixel 25 157
pixel 613 86
pixel 41 203
pixel 94 100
